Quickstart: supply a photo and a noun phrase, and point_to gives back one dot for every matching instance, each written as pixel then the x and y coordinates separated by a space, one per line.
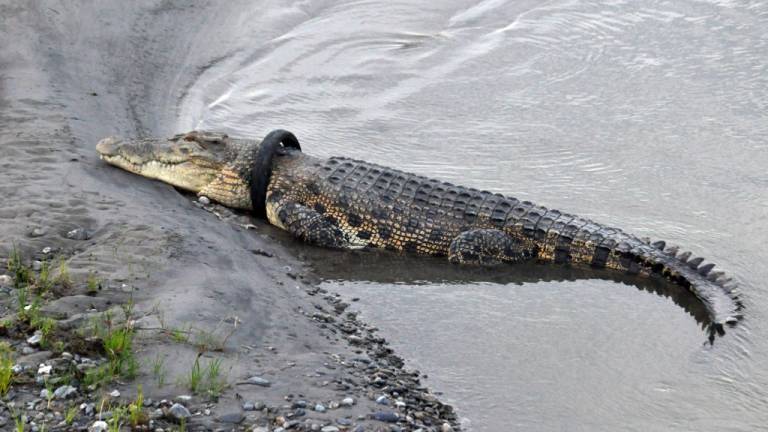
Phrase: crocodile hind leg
pixel 487 247
pixel 308 225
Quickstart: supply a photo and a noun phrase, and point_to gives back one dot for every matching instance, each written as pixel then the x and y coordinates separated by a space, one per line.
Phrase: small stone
pixel 88 408
pixel 38 232
pixel 115 393
pixel 35 339
pixel 64 392
pixel 79 234
pixel 382 400
pixel 44 369
pixel 320 408
pixel 388 417
pixel 260 429
pixel 257 380
pixel 400 404
pixel 204 200
pixel 343 421
pixel 249 406
pixel 347 402
pixel 333 405
pixel 5 281
pixel 179 412
pixel 44 393
pixel 329 429
pixel 446 427
pixel 235 418
pixel 183 399
pixel 47 250
pixel 98 426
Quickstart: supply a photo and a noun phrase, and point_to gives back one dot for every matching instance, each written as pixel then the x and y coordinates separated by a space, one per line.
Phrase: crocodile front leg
pixel 307 224
pixel 487 247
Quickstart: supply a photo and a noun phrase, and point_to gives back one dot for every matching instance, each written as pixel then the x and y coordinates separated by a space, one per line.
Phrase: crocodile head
pixel 205 165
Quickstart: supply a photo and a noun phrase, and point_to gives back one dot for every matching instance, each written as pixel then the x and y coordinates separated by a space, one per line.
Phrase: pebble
pixel 347 402
pixel 329 429
pixel 79 234
pixel 178 412
pixel 320 408
pixel 98 426
pixel 44 369
pixel 446 428
pixel 257 380
pixel 235 417
pixel 115 394
pixel 35 339
pixel 382 400
pixel 38 232
pixel 5 281
pixel 388 417
pixel 64 392
pixel 344 421
pixel 249 406
pixel 88 408
pixel 204 200
pixel 183 399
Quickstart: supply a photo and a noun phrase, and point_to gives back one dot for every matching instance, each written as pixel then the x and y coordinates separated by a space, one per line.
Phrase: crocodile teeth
pixel 659 244
pixel 684 256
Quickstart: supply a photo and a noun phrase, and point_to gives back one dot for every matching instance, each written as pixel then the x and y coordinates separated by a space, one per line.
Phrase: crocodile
pixel 340 202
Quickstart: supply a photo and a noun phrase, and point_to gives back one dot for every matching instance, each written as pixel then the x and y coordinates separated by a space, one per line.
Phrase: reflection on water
pixel 640 114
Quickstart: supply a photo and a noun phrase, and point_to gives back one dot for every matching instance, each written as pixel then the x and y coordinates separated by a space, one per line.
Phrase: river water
pixel 646 115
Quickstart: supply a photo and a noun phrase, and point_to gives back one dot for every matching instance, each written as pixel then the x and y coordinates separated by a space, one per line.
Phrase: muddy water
pixel 646 115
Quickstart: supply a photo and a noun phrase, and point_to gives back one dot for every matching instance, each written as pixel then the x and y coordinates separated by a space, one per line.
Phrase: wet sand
pixel 70 75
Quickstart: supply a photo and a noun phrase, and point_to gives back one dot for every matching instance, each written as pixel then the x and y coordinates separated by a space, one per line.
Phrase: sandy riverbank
pixel 69 76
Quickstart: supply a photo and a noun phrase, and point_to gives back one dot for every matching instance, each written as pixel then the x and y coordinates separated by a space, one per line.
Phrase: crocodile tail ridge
pixel 718 292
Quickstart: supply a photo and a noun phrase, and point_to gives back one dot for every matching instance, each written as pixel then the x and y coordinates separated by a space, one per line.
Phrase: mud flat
pixel 112 283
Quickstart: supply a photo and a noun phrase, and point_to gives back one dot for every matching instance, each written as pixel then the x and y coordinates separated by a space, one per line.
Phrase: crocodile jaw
pixel 183 164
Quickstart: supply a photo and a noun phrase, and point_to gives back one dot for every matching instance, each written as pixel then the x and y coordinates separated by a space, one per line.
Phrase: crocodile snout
pixel 108 146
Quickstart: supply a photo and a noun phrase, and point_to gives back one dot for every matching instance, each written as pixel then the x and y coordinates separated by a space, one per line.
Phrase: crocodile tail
pixel 717 292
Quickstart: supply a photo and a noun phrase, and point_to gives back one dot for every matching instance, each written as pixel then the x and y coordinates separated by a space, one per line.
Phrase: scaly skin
pixel 345 203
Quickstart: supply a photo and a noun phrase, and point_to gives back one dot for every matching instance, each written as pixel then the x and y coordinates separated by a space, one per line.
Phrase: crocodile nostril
pixel 108 146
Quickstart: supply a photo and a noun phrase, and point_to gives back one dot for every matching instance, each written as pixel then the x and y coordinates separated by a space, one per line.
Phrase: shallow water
pixel 650 116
